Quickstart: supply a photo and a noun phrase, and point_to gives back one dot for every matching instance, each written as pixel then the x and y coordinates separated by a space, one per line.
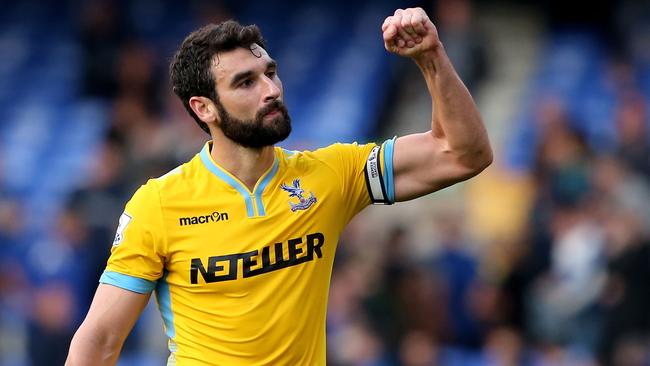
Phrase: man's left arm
pixel 457 146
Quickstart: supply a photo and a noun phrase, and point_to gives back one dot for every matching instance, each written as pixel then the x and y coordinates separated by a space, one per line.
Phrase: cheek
pixel 240 105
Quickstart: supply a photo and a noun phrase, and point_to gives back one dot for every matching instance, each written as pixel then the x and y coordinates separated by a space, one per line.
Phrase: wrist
pixel 430 54
pixel 429 60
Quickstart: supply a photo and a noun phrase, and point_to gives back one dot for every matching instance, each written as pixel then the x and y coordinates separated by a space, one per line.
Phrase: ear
pixel 204 108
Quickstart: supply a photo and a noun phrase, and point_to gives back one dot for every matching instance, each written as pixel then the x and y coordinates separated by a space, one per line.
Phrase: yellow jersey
pixel 241 277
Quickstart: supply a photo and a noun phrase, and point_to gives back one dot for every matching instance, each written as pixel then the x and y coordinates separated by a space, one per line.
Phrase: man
pixel 239 242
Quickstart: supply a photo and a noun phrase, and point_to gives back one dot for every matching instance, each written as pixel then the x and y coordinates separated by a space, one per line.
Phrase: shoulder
pixel 178 180
pixel 328 154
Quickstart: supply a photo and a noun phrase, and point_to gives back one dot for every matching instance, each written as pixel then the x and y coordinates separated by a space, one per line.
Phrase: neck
pixel 247 164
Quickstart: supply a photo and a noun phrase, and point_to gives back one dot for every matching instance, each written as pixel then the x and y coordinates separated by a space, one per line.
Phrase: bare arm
pixel 111 317
pixel 457 146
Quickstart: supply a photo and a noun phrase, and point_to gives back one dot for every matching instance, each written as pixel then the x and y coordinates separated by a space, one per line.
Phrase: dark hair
pixel 190 72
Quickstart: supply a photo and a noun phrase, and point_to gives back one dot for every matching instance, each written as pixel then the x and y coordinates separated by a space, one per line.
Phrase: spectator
pixel 102 35
pixel 463 40
pixel 634 144
pixel 59 278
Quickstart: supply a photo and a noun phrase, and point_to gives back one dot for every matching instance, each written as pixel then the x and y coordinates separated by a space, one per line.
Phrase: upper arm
pixel 111 317
pixel 114 311
pixel 423 163
pixel 135 264
pixel 345 174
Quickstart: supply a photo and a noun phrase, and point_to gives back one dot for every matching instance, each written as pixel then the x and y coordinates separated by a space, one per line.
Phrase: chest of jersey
pixel 216 245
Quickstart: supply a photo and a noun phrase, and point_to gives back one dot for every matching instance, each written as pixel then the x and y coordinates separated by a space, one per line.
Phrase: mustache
pixel 272 106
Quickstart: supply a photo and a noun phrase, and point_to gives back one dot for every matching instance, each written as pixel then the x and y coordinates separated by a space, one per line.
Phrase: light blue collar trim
pixel 289 152
pixel 262 185
pixel 239 187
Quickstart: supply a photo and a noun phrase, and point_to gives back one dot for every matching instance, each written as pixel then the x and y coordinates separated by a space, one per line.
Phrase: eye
pixel 270 74
pixel 246 83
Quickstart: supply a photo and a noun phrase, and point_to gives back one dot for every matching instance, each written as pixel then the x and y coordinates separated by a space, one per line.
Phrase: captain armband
pixel 379 174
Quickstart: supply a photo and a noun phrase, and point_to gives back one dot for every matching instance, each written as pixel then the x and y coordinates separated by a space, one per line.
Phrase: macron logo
pixel 203 219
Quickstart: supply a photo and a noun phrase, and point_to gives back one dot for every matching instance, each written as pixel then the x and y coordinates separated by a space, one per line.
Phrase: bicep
pixel 423 164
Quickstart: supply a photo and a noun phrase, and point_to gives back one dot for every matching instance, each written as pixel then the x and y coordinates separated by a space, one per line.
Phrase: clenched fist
pixel 409 32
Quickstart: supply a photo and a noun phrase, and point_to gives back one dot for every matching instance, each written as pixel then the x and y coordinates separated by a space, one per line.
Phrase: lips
pixel 274 109
pixel 272 113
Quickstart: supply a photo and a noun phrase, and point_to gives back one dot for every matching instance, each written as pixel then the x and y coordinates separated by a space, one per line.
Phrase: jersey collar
pixel 251 199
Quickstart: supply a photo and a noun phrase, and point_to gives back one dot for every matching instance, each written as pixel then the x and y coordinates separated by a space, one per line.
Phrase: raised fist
pixel 409 32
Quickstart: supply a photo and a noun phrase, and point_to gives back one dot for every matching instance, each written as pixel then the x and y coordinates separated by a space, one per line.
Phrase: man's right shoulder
pixel 176 181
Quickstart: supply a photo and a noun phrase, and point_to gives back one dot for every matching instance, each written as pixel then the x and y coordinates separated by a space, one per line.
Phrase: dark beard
pixel 256 133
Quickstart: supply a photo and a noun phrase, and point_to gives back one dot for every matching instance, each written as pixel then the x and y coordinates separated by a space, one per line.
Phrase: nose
pixel 271 89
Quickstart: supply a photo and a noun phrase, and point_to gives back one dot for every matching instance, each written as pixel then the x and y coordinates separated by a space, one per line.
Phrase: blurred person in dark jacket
pixel 467 47
pixel 633 134
pixel 623 194
pixel 102 35
pixel 59 280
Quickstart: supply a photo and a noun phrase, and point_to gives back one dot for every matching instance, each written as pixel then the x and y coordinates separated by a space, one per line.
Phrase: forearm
pixel 455 118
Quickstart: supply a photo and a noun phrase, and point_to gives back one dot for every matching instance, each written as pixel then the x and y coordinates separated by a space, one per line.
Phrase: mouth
pixel 273 113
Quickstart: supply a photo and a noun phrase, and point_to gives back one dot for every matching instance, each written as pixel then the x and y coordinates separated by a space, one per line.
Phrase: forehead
pixel 227 64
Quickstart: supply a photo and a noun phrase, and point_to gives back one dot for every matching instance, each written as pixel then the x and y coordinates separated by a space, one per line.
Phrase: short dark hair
pixel 190 68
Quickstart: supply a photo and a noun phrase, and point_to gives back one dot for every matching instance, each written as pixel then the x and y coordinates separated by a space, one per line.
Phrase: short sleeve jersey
pixel 242 277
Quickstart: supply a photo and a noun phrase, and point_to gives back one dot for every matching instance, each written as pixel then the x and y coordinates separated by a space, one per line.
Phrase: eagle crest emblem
pixel 297 192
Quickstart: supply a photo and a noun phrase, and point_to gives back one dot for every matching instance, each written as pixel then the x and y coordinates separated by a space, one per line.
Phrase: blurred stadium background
pixel 544 259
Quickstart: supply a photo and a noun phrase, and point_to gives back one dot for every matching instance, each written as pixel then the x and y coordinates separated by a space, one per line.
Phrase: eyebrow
pixel 248 73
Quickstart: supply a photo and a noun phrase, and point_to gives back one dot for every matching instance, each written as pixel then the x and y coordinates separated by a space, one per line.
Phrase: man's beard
pixel 256 133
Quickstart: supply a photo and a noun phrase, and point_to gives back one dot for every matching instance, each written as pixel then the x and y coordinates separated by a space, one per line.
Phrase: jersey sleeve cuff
pixel 127 282
pixel 387 150
pixel 378 173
